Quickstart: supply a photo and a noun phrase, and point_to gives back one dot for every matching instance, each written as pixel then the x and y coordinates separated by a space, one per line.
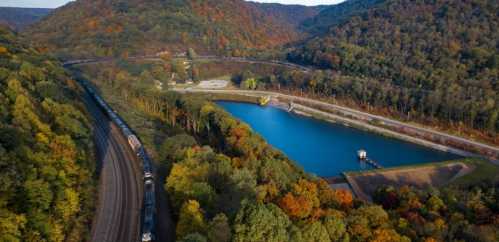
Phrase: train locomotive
pixel 148 222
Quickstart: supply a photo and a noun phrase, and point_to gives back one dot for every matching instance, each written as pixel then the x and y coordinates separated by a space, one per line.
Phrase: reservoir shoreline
pixel 366 122
pixel 309 112
pixel 332 118
pixel 327 149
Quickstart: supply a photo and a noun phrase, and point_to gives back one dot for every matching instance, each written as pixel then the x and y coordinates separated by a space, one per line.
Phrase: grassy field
pixel 484 170
pixel 463 172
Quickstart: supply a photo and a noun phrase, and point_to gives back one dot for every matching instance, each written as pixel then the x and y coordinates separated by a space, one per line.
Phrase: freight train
pixel 148 222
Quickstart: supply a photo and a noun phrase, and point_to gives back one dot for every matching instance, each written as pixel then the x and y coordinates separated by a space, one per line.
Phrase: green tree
pixel 191 54
pixel 261 222
pixel 493 121
pixel 69 205
pixel 335 226
pixel 315 232
pixel 191 220
pixel 38 194
pixel 11 226
pixel 180 68
pixel 250 84
pixel 173 148
pixel 194 237
pixel 219 229
pixel 434 203
pixel 45 153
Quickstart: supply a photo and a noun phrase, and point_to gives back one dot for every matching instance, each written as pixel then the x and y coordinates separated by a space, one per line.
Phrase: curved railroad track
pixel 120 187
pixel 198 58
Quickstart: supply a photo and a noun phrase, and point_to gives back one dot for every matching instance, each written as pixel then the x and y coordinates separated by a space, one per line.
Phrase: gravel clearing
pixel 213 84
pixel 365 184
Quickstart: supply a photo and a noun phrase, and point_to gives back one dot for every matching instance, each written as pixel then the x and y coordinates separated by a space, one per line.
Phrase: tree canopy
pixel 436 59
pixel 46 158
pixel 122 28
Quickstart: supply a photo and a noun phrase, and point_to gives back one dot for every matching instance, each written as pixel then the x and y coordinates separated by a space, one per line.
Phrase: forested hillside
pixel 227 184
pixel 286 14
pixel 426 59
pixel 46 154
pixel 106 28
pixel 337 14
pixel 19 18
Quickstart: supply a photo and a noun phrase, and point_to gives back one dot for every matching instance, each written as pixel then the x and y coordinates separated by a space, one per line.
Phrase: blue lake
pixel 324 148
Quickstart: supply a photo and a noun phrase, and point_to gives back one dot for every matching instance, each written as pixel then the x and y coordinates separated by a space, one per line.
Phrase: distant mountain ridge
pixel 19 18
pixel 225 27
pixel 116 27
pixel 294 15
pixel 336 14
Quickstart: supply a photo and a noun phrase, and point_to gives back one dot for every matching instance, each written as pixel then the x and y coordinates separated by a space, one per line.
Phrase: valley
pixel 20 18
pixel 239 121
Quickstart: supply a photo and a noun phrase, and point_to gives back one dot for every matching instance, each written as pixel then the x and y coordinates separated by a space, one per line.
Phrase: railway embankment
pixel 366 121
pixel 368 126
pixel 423 176
pixel 392 128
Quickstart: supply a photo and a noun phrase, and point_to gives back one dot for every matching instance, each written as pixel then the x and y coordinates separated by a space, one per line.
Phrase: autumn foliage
pixel 148 27
pixel 296 206
pixel 432 60
pixel 309 199
pixel 46 152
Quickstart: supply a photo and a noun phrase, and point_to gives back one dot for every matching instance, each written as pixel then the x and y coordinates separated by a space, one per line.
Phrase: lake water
pixel 324 148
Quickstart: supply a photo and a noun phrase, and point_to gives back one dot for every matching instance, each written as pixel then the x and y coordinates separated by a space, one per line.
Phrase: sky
pixel 301 2
pixel 58 3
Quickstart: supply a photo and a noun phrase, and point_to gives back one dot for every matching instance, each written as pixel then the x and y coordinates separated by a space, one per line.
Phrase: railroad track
pixel 209 58
pixel 120 194
pixel 488 151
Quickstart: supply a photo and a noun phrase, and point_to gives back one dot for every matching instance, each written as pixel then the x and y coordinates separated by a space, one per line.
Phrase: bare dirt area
pixel 434 175
pixel 213 84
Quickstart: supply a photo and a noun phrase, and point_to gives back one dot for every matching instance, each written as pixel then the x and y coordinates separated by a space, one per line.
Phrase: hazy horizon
pixel 58 3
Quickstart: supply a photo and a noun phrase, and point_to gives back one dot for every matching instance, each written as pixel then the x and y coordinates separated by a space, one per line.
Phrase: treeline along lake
pixel 327 149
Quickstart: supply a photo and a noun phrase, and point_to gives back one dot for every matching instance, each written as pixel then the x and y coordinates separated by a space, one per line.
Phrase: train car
pixel 121 124
pixel 126 131
pixel 148 174
pixel 134 142
pixel 148 224
pixel 149 211
pixel 149 192
pixel 146 164
pixel 89 89
pixel 124 128
pixel 147 236
pixel 136 145
pixel 102 104
pixel 141 154
pixel 113 115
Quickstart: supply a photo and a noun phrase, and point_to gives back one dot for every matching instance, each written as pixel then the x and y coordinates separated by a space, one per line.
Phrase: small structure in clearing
pixel 362 154
pixel 213 84
pixel 263 101
pixel 158 84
